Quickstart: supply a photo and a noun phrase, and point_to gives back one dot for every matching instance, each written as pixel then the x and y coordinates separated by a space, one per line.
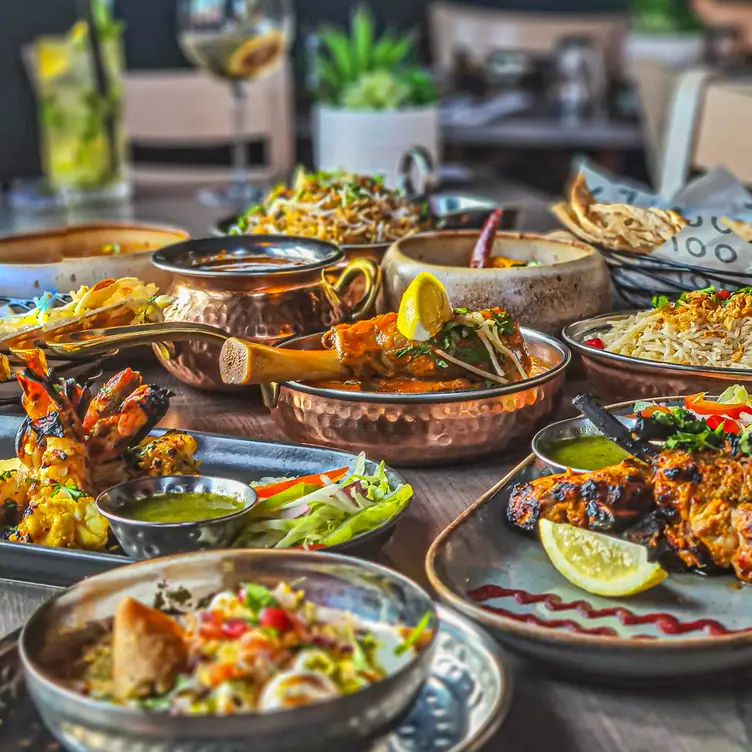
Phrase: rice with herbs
pixel 700 329
pixel 338 207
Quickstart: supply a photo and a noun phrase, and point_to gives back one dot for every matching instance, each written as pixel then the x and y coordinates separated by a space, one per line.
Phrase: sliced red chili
pixel 723 294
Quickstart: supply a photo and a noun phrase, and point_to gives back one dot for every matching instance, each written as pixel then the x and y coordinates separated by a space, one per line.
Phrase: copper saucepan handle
pixel 371 272
pixel 99 341
pixel 245 362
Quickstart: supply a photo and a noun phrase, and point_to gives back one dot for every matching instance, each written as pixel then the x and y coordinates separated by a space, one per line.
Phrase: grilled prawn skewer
pixel 71 446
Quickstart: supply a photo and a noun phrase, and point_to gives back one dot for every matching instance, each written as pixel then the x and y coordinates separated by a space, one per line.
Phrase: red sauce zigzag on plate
pixel 665 623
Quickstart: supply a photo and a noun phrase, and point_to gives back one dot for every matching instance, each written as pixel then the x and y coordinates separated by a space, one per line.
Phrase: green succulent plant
pixel 357 70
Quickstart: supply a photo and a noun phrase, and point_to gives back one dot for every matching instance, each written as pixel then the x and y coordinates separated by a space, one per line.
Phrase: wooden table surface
pixel 547 714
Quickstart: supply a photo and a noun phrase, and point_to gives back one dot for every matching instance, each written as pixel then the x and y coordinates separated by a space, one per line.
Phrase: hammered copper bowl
pixel 421 429
pixel 617 378
pixel 369 591
pixel 222 282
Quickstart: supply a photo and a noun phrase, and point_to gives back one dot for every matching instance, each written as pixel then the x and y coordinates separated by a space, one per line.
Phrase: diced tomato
pixel 264 492
pixel 723 294
pixel 210 625
pixel 714 421
pixel 276 618
pixel 698 404
pixel 728 425
pixel 596 342
pixel 234 628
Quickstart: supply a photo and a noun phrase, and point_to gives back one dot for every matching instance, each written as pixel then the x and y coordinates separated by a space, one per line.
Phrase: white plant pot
pixel 372 142
pixel 671 50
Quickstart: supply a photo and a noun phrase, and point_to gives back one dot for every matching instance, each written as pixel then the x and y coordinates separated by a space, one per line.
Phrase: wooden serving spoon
pixel 245 362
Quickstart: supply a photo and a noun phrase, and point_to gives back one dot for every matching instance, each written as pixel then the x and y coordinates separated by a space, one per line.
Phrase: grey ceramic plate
pixel 222 456
pixel 465 700
pixel 503 579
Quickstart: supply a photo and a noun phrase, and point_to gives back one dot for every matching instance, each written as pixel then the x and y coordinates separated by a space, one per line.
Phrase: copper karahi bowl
pixel 420 429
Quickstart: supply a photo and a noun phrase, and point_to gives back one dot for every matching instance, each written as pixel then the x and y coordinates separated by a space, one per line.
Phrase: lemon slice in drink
pixel 52 59
pixel 255 56
pixel 598 563
pixel 424 308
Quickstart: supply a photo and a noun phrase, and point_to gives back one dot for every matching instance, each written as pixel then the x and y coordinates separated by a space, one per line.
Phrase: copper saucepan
pixel 264 288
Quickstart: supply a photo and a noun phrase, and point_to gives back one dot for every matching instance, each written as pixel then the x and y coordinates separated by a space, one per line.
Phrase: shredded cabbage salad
pixel 322 510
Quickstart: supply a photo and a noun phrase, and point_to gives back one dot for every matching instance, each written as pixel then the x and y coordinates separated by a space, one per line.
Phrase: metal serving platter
pixel 225 456
pixel 464 701
pixel 618 378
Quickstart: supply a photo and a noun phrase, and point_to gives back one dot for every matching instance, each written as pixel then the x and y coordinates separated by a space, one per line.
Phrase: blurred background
pixel 520 88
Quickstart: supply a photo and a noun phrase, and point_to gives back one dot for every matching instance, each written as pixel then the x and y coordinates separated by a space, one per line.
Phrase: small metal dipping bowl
pixel 420 429
pixel 572 428
pixel 147 540
pixel 370 592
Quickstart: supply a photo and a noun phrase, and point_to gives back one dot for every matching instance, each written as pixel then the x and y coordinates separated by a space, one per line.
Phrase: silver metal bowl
pixel 571 428
pixel 369 591
pixel 616 377
pixel 420 429
pixel 147 540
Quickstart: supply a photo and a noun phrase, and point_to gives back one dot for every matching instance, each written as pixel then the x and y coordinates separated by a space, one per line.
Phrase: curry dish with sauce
pixel 475 349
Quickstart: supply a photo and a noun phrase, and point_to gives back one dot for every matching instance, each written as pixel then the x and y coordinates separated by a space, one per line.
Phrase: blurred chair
pixel 190 109
pixel 673 105
pixel 480 31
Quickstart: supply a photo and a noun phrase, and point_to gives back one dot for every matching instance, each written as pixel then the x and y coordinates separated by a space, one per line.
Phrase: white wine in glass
pixel 237 40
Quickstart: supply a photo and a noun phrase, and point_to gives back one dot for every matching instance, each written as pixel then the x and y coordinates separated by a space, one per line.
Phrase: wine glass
pixel 238 41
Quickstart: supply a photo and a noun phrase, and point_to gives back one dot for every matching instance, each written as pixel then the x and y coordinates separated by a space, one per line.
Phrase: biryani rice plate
pixel 706 328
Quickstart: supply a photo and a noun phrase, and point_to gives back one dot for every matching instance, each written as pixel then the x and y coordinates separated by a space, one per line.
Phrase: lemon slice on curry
pixel 598 563
pixel 255 56
pixel 424 308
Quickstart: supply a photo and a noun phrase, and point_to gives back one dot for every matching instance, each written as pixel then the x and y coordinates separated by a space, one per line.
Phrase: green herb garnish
pixel 415 635
pixel 257 597
pixel 73 491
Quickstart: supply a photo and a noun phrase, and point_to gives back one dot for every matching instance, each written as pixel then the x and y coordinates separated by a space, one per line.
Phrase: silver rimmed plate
pixel 464 701
pixel 617 378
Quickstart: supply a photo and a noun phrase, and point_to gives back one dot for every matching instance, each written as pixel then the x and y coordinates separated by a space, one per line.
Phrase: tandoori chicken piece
pixel 610 499
pixel 477 346
pixel 692 509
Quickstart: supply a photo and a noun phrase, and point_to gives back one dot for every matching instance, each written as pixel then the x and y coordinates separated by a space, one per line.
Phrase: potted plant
pixel 666 31
pixel 372 103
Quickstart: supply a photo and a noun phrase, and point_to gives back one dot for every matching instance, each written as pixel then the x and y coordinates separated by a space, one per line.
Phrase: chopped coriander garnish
pixel 415 634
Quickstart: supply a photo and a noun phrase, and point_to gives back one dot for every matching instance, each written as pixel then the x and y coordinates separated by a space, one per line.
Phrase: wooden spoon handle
pixel 244 362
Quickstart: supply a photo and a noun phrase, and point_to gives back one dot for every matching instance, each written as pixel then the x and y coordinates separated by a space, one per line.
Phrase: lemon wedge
pixel 423 309
pixel 598 563
pixel 52 59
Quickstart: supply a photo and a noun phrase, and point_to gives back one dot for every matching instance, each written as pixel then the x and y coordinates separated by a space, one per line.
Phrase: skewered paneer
pixel 691 509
